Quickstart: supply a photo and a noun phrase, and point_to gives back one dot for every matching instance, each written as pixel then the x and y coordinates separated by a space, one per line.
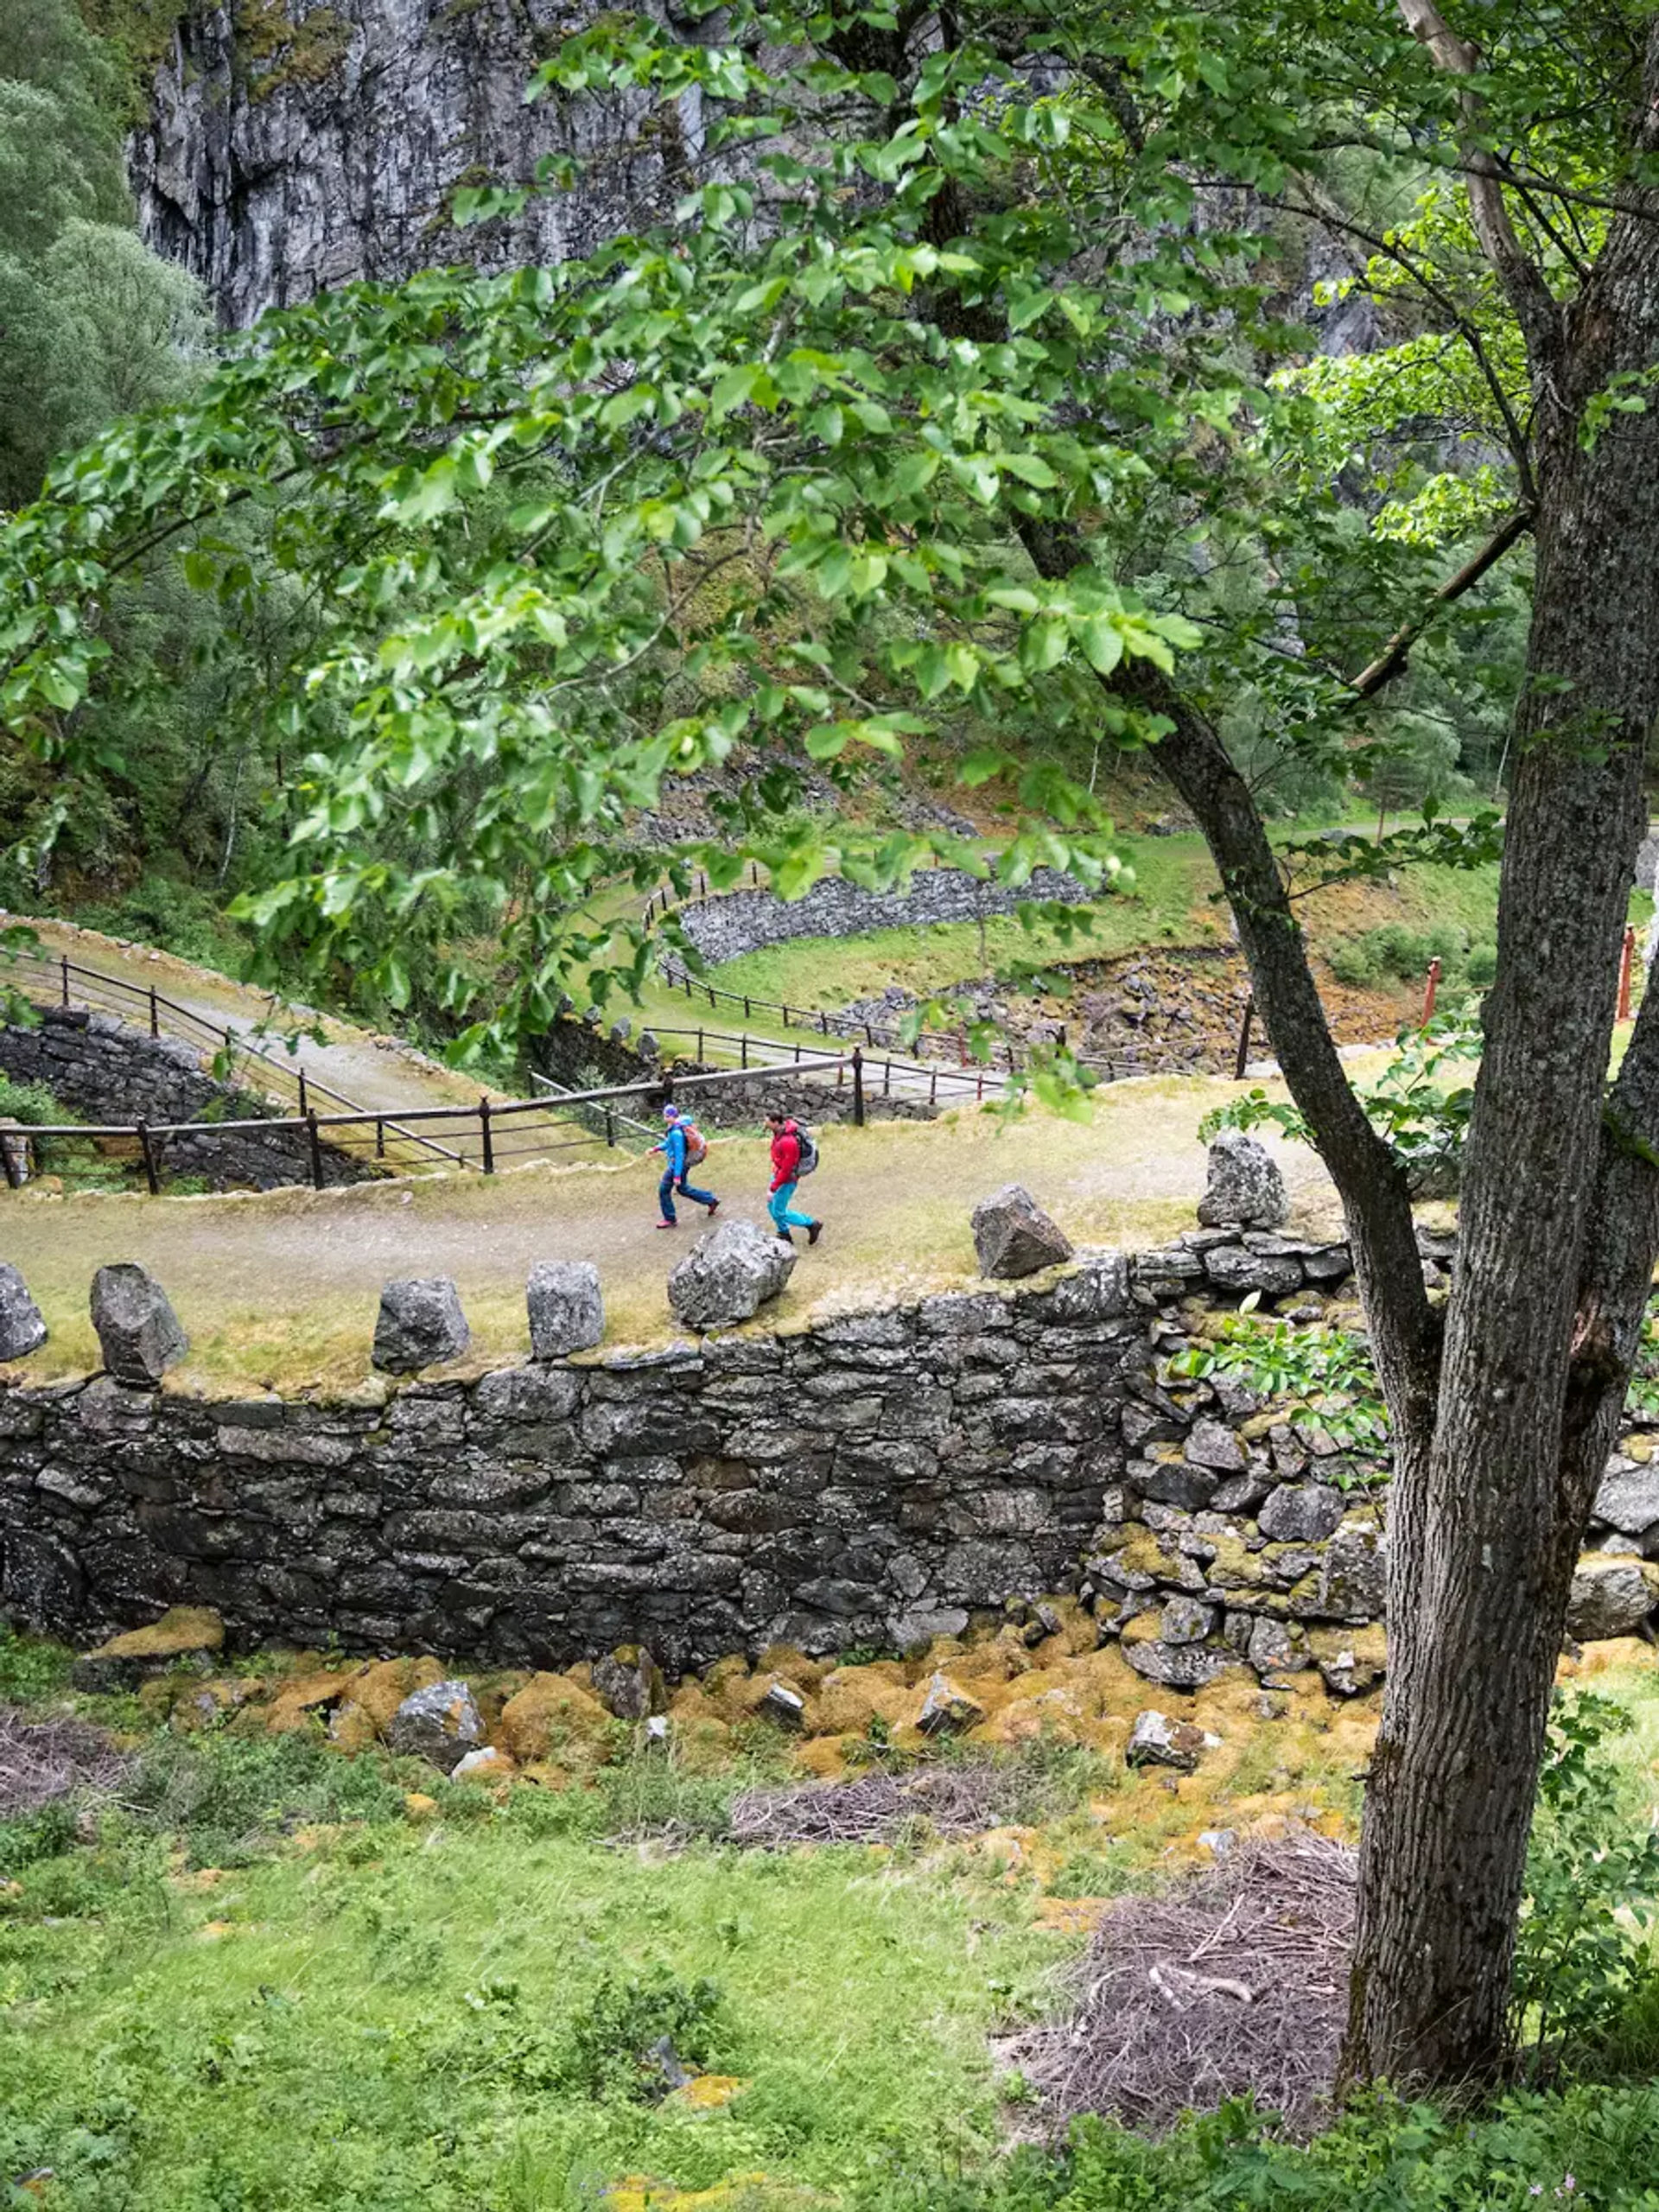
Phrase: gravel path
pixel 282 1287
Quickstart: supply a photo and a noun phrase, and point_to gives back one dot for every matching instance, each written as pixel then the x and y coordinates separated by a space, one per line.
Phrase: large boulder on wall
pixel 567 1309
pixel 1013 1237
pixel 138 1332
pixel 728 1273
pixel 420 1325
pixel 1245 1189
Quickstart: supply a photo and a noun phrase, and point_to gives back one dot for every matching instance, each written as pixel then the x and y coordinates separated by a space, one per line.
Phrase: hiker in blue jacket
pixel 680 1140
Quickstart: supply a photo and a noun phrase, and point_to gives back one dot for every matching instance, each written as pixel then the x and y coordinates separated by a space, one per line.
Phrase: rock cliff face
pixel 293 145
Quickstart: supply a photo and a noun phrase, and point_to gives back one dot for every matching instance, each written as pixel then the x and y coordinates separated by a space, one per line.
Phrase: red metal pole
pixel 1625 958
pixel 1429 989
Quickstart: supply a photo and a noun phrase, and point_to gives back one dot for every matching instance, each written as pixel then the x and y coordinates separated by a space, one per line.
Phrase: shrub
pixel 626 2041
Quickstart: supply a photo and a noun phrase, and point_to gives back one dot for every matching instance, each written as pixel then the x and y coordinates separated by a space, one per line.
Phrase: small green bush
pixel 635 2031
pixel 31 1102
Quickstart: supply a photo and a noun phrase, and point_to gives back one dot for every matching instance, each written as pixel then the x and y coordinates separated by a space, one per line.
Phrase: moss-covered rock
pixel 184 1635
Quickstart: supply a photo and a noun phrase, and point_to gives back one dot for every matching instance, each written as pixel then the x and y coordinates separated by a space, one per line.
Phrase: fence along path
pixel 484 1134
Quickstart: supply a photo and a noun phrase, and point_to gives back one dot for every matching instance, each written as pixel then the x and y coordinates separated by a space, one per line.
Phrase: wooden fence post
pixel 65 978
pixel 316 1146
pixel 305 1103
pixel 610 1123
pixel 486 1136
pixel 1626 957
pixel 155 1013
pixel 858 1088
pixel 380 1140
pixel 1430 987
pixel 1242 1058
pixel 148 1150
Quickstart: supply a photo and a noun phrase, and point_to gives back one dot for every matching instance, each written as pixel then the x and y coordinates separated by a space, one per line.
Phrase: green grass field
pixel 264 1980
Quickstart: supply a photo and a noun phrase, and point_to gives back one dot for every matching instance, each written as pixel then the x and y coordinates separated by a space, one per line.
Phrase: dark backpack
pixel 809 1159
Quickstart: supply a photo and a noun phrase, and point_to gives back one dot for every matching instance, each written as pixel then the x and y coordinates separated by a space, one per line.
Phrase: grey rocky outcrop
pixel 567 1309
pixel 138 1332
pixel 1013 1237
pixel 1245 1189
pixel 420 1325
pixel 440 1724
pixel 300 148
pixel 629 1683
pixel 22 1327
pixel 728 1276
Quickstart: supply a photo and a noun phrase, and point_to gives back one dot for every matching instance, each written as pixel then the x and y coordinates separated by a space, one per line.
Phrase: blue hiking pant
pixel 784 1218
pixel 667 1187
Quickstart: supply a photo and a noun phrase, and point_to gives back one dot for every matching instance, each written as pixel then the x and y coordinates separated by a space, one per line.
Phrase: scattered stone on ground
pixel 1155 1740
pixel 567 1309
pixel 946 1709
pixel 728 1273
pixel 440 1724
pixel 1013 1237
pixel 1245 1190
pixel 420 1325
pixel 138 1332
pixel 23 1329
pixel 183 1635
pixel 629 1683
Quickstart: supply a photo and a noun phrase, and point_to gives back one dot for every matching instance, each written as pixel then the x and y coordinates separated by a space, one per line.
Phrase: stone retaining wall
pixel 874 1479
pixel 111 1073
pixel 737 922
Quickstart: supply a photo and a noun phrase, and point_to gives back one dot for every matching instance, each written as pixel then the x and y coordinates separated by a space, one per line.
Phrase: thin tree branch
pixel 1523 281
pixel 1392 660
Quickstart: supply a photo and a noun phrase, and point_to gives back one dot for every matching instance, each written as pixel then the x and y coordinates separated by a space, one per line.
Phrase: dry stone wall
pixel 726 927
pixel 877 1479
pixel 111 1073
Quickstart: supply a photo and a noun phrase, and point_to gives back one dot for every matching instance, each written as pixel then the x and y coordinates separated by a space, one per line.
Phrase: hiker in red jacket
pixel 787 1150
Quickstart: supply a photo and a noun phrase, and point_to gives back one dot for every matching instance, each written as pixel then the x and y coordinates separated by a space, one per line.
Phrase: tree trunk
pixel 1487 1522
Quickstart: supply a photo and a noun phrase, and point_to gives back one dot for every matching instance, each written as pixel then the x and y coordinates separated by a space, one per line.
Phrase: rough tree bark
pixel 1501 1433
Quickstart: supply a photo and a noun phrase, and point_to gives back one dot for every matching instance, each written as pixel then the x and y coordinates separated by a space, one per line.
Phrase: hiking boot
pixel 814 1232
pixel 785 1234
pixel 665 1225
pixel 714 1208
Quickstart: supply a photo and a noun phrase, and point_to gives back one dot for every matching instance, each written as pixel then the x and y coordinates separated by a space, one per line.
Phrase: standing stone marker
pixel 420 1325
pixel 1014 1237
pixel 728 1272
pixel 138 1332
pixel 1245 1188
pixel 567 1309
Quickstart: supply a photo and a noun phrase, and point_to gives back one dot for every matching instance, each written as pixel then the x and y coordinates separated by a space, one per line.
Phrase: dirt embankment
pixel 1151 1010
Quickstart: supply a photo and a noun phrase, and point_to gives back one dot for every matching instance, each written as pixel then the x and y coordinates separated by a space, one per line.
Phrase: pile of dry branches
pixel 43 1760
pixel 954 1799
pixel 1237 1981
